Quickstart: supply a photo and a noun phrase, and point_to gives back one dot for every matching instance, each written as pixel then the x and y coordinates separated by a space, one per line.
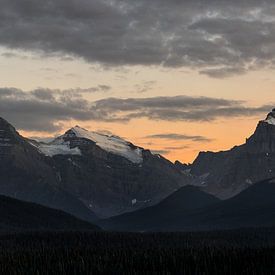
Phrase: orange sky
pixel 255 88
pixel 224 134
pixel 139 50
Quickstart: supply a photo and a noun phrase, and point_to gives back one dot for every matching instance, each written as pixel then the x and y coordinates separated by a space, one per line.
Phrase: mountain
pixel 174 207
pixel 227 173
pixel 253 207
pixel 110 175
pixel 18 215
pixel 83 173
pixel 28 175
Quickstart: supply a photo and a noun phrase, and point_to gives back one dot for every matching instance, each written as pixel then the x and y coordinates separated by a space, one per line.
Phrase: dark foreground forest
pixel 224 252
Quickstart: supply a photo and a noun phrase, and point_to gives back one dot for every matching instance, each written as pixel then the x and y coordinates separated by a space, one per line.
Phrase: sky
pixel 177 77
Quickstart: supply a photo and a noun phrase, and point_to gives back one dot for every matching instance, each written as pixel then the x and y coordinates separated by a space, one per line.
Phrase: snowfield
pixel 112 144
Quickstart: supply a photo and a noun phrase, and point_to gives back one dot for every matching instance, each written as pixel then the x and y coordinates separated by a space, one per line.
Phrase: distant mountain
pixel 254 207
pixel 171 209
pixel 111 175
pixel 17 215
pixel 28 175
pixel 83 172
pixel 227 173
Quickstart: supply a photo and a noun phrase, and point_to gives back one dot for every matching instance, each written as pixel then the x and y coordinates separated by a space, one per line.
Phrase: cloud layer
pixel 218 38
pixel 175 136
pixel 47 110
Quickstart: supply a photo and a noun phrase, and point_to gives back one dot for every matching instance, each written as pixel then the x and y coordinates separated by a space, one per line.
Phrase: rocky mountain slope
pixel 226 173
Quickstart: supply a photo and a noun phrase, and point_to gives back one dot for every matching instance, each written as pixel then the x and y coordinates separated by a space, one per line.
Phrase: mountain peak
pixel 77 127
pixel 4 122
pixel 8 134
pixel 270 119
pixel 66 145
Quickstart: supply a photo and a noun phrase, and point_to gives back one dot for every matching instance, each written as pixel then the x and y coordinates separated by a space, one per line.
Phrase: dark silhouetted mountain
pixel 227 173
pixel 17 215
pixel 174 207
pixel 253 207
pixel 28 175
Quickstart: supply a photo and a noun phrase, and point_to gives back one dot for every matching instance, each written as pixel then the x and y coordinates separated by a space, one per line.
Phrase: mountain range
pixel 84 173
pixel 225 174
pixel 96 176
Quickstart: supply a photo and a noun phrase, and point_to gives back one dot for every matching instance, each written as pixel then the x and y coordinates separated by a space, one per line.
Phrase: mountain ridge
pixel 253 207
pixel 229 172
pixel 17 215
pixel 107 176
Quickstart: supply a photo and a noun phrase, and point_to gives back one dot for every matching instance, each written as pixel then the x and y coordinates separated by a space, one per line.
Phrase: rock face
pixel 83 172
pixel 28 175
pixel 227 173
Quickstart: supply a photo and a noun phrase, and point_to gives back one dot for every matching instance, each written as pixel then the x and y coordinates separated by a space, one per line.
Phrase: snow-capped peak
pixel 270 118
pixel 110 143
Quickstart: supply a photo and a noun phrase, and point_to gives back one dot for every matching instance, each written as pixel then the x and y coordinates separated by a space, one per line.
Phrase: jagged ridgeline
pixel 227 173
pixel 84 172
pixel 91 175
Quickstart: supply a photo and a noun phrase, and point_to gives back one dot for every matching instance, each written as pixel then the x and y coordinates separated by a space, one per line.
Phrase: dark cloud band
pixel 174 136
pixel 218 38
pixel 47 110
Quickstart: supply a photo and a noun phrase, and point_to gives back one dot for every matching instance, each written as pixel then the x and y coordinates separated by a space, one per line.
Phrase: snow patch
pixel 57 147
pixel 270 118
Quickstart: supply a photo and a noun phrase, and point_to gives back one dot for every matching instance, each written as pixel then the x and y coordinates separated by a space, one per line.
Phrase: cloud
pixel 145 86
pixel 173 136
pixel 174 148
pixel 177 108
pixel 160 152
pixel 45 109
pixel 48 110
pixel 99 88
pixel 223 72
pixel 233 36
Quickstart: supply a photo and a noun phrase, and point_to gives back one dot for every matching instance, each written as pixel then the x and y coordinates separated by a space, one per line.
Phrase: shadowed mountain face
pixel 28 175
pixel 225 174
pixel 254 207
pixel 17 215
pixel 82 172
pixel 174 207
pixel 110 183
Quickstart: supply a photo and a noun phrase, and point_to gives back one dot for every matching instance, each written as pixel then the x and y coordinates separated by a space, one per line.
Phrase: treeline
pixel 228 252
